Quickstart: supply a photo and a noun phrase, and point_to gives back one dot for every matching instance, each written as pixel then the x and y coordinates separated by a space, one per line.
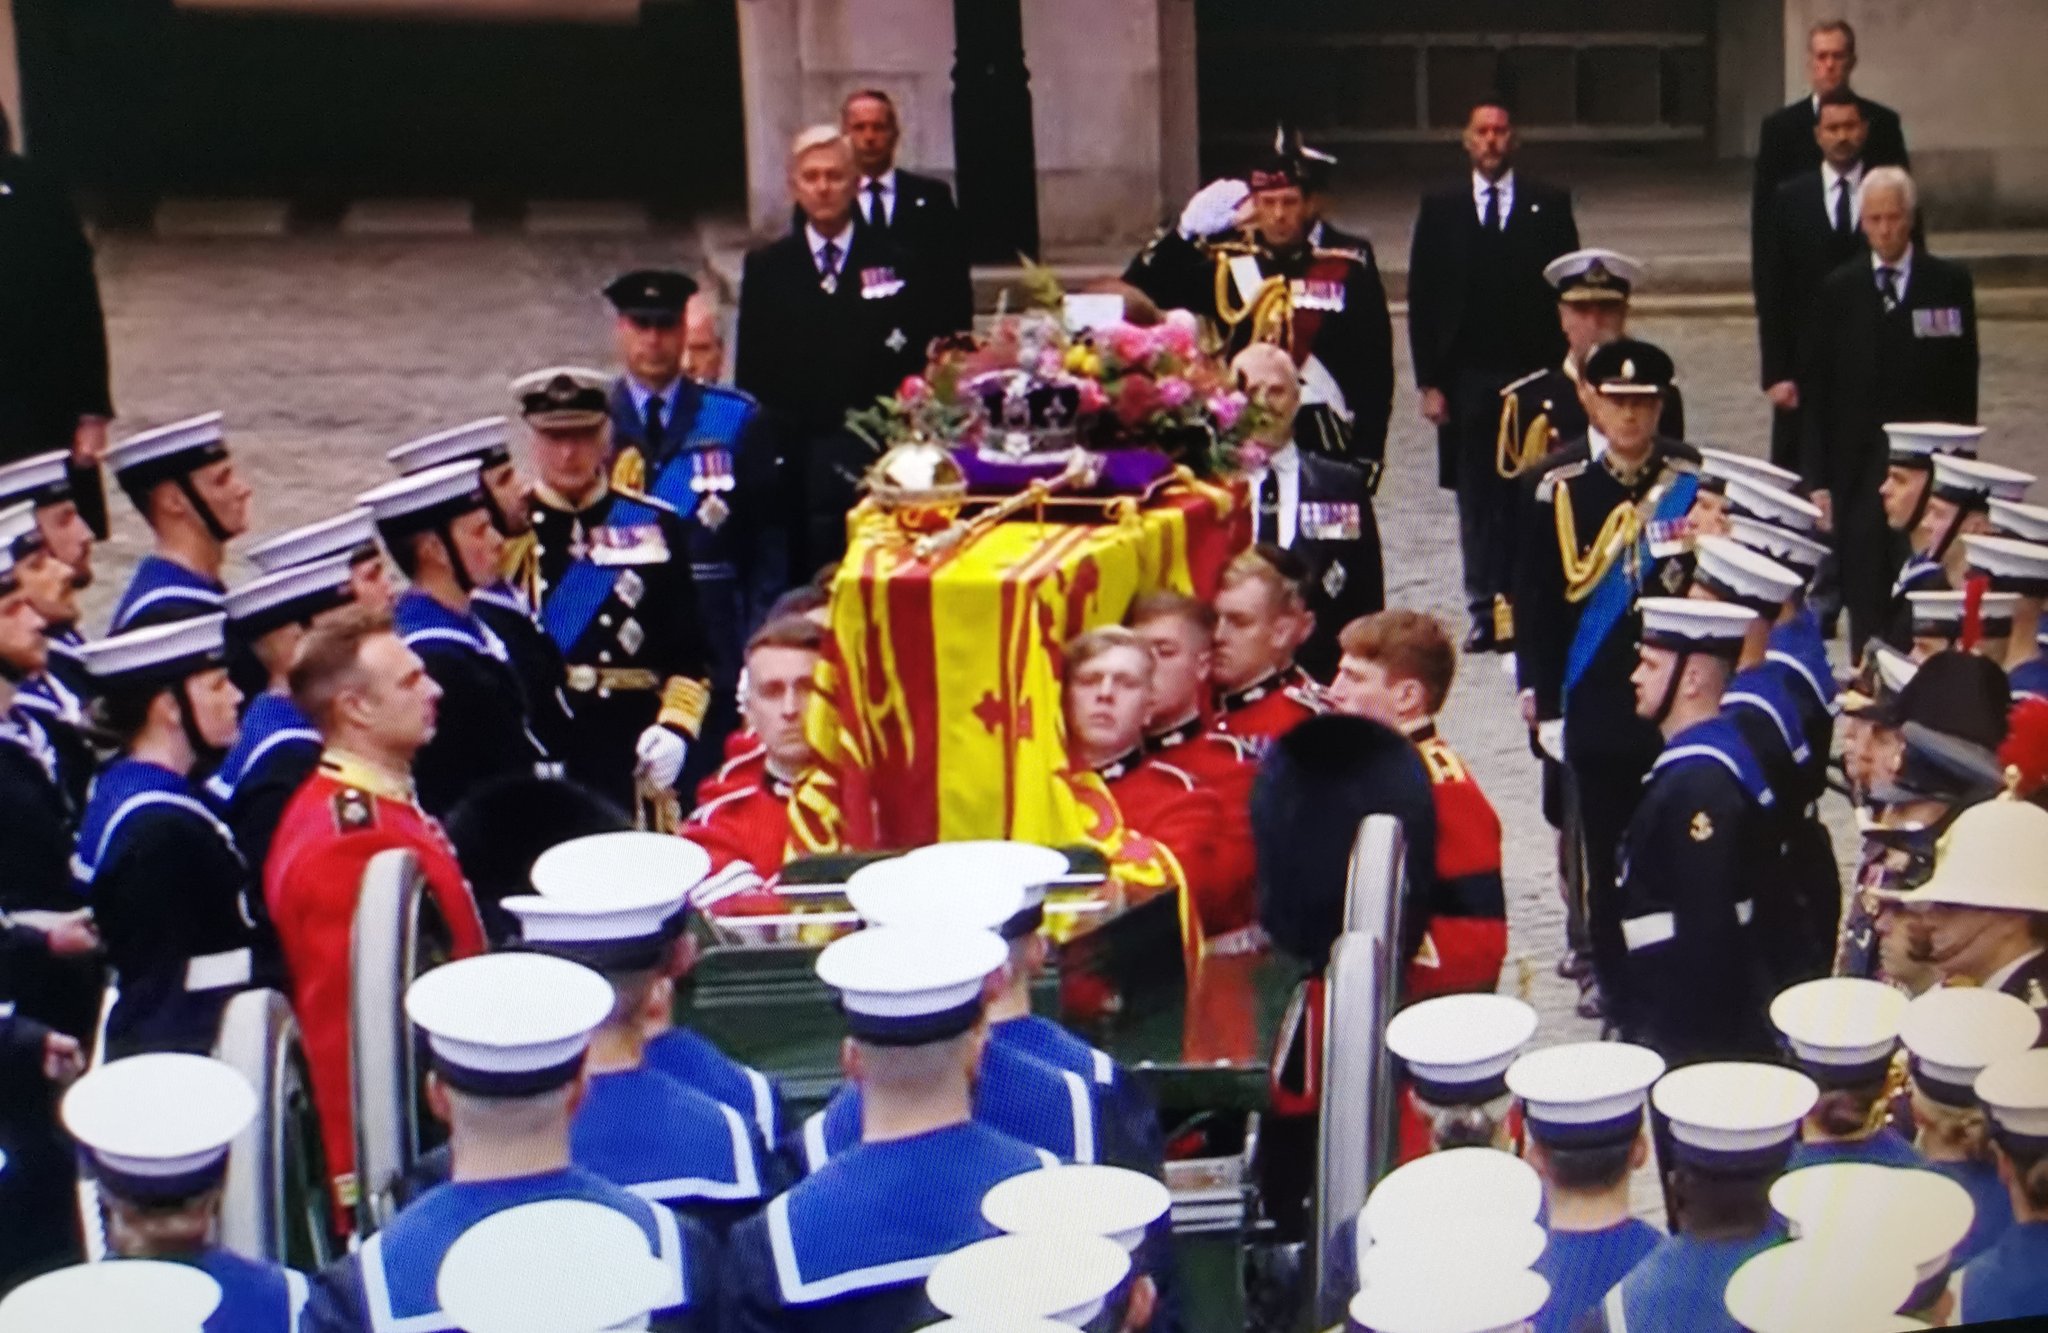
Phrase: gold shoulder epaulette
pixel 629 470
pixel 1529 378
pixel 1442 761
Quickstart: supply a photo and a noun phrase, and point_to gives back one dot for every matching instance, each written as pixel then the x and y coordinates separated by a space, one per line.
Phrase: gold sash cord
pixel 1622 528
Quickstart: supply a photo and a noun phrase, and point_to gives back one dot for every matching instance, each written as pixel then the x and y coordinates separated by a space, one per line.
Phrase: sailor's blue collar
pixel 1717 740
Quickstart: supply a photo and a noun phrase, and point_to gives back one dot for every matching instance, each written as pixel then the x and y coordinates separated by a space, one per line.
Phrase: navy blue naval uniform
pixel 696 1063
pixel 276 751
pixel 1583 1266
pixel 388 1286
pixel 1887 1147
pixel 169 891
pixel 255 1297
pixel 1127 1117
pixel 161 591
pixel 670 1144
pixel 1696 853
pixel 56 696
pixel 1033 1103
pixel 482 731
pixel 848 1248
pixel 1993 1203
pixel 2007 1281
pixel 1680 1286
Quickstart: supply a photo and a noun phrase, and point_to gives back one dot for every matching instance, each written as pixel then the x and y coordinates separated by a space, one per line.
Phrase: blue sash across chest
pixel 1615 595
pixel 586 585
pixel 720 419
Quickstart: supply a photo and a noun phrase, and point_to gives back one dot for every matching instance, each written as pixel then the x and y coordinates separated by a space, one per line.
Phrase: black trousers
pixel 1608 783
pixel 1485 498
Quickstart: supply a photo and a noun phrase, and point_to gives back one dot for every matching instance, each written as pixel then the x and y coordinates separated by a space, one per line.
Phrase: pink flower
pixel 1131 344
pixel 1174 393
pixel 1180 334
pixel 1251 457
pixel 1050 363
pixel 1137 398
pixel 1225 409
pixel 914 389
pixel 1092 398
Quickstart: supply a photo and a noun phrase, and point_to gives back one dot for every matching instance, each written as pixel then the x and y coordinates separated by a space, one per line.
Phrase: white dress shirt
pixel 1903 268
pixel 817 239
pixel 1830 183
pixel 640 393
pixel 1286 469
pixel 888 183
pixel 1506 186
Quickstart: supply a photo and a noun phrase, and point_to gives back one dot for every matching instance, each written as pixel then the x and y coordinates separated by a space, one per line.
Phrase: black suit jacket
pixel 1337 536
pixel 1862 367
pixel 1793 249
pixel 1786 146
pixel 927 225
pixel 808 355
pixel 1442 295
pixel 53 338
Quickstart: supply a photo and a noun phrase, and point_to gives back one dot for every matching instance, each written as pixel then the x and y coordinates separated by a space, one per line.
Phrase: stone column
pixel 1965 78
pixel 1098 94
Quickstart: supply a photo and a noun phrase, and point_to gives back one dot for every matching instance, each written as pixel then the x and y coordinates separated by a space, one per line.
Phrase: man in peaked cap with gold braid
pixel 1541 412
pixel 1599 522
pixel 612 580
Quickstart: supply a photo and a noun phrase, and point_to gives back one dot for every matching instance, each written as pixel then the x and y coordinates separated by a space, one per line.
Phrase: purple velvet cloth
pixel 1124 472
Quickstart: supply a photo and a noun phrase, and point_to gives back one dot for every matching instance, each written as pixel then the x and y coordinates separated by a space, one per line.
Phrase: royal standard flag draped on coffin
pixel 939 712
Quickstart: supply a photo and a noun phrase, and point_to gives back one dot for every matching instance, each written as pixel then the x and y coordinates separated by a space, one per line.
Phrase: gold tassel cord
pixel 1582 573
pixel 1270 309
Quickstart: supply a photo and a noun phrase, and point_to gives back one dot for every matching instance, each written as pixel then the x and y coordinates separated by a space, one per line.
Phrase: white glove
pixel 1213 209
pixel 661 753
pixel 1550 735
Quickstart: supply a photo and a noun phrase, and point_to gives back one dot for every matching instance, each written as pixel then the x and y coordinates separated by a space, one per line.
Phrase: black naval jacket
pixel 1601 711
pixel 484 727
pixel 1340 318
pixel 646 626
pixel 536 661
pixel 37 823
pixel 1540 413
pixel 1786 146
pixel 1697 852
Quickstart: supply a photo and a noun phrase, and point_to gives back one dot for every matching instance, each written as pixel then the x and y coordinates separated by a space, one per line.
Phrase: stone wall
pixel 1965 77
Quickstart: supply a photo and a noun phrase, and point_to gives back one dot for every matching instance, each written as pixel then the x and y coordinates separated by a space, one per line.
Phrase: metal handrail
pixel 1357 1114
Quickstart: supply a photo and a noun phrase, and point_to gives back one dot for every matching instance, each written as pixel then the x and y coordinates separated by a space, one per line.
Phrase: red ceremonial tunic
pixel 1466 940
pixel 346 813
pixel 1262 713
pixel 1224 765
pixel 742 818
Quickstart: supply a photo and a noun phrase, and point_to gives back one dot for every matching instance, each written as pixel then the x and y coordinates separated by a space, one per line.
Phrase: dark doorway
pixel 137 99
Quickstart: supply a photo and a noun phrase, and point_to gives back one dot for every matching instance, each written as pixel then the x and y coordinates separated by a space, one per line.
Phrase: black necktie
pixel 1888 286
pixel 1842 223
pixel 653 431
pixel 878 212
pixel 1491 221
pixel 1269 508
pixel 828 266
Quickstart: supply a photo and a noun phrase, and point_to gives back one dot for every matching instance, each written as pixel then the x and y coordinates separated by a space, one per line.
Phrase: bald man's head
pixel 1268 377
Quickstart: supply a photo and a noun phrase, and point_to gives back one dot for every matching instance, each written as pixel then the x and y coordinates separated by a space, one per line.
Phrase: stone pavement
pixel 324 352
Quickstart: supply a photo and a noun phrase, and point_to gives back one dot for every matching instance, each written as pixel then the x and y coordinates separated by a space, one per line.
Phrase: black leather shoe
pixel 1480 640
pixel 1590 1005
pixel 1574 966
